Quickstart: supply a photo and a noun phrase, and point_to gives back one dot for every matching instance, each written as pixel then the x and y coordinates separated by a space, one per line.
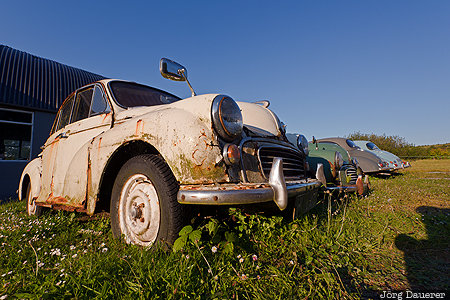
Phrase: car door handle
pixel 62 135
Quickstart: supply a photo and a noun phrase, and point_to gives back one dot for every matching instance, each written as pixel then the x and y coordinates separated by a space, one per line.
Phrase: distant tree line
pixel 400 147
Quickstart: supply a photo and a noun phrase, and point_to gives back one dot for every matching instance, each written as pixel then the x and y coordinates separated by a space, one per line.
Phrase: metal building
pixel 31 90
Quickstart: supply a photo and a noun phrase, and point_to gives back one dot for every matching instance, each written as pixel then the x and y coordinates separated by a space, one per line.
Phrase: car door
pixel 91 115
pixel 50 149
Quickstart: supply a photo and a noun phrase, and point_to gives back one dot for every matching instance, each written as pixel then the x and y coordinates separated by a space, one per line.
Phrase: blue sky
pixel 329 68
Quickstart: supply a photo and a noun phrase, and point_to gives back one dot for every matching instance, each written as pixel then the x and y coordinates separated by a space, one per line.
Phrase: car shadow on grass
pixel 428 260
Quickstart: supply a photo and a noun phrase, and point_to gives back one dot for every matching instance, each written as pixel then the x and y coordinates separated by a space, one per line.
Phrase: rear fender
pixel 33 170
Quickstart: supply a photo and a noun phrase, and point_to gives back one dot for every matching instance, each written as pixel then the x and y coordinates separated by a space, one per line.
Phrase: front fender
pixel 185 141
pixel 34 171
pixel 367 164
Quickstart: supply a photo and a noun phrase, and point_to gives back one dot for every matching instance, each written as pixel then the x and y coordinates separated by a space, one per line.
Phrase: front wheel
pixel 144 207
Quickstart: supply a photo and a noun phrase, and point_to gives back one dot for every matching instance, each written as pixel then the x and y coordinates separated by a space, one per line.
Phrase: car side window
pixel 64 113
pixel 371 146
pixel 82 105
pixel 99 104
pixel 351 144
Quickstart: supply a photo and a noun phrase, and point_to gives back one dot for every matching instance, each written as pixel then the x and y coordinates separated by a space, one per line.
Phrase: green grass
pixel 396 238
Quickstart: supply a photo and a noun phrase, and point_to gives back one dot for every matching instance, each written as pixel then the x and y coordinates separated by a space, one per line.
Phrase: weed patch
pixel 396 238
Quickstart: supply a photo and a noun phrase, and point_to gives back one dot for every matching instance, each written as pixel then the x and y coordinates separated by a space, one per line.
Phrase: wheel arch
pixel 115 162
pixel 31 175
pixel 24 186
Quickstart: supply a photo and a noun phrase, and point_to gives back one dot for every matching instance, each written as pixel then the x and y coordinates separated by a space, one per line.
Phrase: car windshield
pixel 372 146
pixel 351 144
pixel 129 94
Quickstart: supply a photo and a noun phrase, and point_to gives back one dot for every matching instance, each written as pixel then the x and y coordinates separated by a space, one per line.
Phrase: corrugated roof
pixel 34 82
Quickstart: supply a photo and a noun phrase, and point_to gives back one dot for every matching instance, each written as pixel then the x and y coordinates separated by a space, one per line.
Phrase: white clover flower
pixel 214 249
pixel 241 260
pixel 104 249
pixel 187 256
pixel 3 297
pixel 59 282
pixel 291 262
pixel 75 255
pixel 56 251
pixel 72 247
pixel 254 257
pixel 239 256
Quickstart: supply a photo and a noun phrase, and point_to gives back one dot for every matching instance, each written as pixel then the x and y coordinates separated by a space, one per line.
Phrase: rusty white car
pixel 144 154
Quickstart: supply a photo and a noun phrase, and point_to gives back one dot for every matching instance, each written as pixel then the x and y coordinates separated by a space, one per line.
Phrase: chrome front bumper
pixel 320 175
pixel 276 190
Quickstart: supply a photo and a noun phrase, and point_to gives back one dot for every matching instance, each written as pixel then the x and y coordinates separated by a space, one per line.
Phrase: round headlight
pixel 226 117
pixel 338 160
pixel 302 144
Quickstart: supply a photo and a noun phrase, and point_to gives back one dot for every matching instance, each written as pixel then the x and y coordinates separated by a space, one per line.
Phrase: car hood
pixel 328 150
pixel 259 119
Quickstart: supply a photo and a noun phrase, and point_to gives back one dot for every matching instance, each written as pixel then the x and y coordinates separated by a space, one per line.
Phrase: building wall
pixel 32 89
pixel 11 170
pixel 42 124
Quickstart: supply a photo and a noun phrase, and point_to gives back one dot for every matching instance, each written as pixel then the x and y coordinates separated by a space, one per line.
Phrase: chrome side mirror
pixel 174 71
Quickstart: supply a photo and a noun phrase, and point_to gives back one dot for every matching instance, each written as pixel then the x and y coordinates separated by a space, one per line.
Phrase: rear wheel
pixel 144 207
pixel 32 208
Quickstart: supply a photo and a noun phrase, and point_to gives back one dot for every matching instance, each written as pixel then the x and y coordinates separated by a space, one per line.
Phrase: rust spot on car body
pixel 225 186
pixel 105 116
pixel 333 169
pixel 56 200
pixel 68 208
pixel 139 127
pixel 99 143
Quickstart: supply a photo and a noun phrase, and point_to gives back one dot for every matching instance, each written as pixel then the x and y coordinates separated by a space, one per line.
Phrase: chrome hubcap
pixel 139 212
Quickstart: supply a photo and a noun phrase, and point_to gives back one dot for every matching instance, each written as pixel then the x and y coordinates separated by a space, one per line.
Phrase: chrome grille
pixel 350 171
pixel 293 162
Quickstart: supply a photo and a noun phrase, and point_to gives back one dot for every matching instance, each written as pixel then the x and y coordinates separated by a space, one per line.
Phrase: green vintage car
pixel 333 166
